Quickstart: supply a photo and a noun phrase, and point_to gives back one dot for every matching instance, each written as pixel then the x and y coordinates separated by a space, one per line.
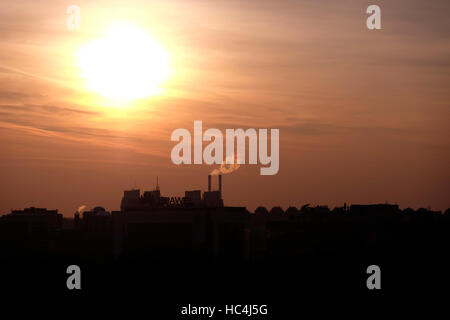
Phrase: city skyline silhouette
pixel 198 234
pixel 216 187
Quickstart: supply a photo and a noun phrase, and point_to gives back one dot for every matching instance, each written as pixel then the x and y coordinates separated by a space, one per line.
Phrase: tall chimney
pixel 209 182
pixel 220 185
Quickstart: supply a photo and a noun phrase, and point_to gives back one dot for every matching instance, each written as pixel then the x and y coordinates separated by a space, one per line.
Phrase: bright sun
pixel 124 65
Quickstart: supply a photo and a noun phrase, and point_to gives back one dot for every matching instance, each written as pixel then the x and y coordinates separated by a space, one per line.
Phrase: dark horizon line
pixel 303 208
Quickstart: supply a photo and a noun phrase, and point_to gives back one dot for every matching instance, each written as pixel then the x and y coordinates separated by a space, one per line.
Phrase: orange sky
pixel 363 115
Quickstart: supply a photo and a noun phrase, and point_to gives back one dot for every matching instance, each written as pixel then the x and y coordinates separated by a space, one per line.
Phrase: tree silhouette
pixel 261 210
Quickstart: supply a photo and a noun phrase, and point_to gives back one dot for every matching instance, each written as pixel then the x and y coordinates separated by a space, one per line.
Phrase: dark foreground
pixel 160 291
pixel 307 261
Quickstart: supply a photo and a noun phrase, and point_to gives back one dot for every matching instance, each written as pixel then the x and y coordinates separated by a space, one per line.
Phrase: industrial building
pixel 133 200
pixel 180 226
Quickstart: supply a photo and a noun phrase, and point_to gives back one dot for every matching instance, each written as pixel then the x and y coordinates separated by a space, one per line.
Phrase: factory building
pixel 180 225
pixel 152 200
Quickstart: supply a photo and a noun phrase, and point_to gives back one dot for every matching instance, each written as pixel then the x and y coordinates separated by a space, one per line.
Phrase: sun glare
pixel 126 64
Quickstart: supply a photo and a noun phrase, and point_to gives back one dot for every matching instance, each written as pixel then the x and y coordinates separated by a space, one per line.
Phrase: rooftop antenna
pixel 157 184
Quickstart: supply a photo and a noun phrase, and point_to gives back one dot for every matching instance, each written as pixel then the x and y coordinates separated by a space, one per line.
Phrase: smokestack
pixel 220 185
pixel 209 182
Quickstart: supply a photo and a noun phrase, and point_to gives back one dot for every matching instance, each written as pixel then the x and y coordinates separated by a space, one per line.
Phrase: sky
pixel 363 114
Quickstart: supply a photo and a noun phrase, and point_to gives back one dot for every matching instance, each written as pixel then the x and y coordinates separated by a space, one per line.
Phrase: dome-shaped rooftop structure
pixel 100 211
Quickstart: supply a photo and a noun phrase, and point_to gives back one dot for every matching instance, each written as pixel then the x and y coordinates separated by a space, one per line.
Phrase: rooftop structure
pixel 148 200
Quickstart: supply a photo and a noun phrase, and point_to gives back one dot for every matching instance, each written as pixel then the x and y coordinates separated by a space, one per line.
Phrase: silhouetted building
pixel 193 198
pixel 96 231
pixel 151 200
pixel 30 229
pixel 373 210
pixel 176 226
pixel 33 221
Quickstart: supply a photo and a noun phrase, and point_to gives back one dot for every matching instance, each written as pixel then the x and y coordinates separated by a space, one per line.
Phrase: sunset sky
pixel 363 114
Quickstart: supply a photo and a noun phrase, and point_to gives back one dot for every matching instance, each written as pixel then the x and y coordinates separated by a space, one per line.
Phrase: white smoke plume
pixel 81 209
pixel 226 168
